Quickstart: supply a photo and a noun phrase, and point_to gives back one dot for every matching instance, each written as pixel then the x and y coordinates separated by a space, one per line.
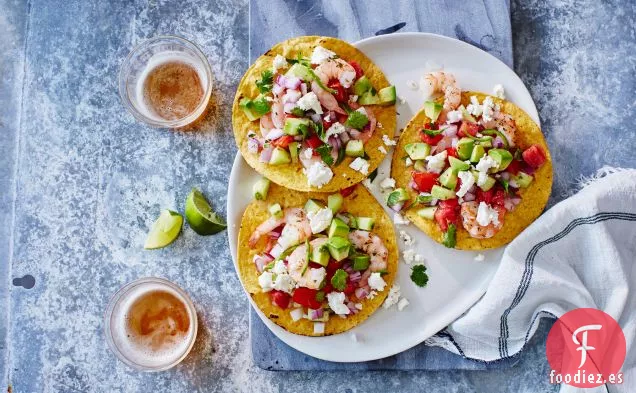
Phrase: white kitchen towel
pixel 580 253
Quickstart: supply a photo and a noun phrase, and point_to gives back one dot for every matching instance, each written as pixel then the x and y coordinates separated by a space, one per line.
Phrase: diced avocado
pixel 432 110
pixel 275 210
pixel 300 71
pixel 246 105
pixel 396 196
pixel 260 189
pixel 417 150
pixel 488 184
pixel 466 115
pixel 464 148
pixel 361 262
pixel 523 180
pixel 387 95
pixel 369 98
pixel 280 156
pixel 260 106
pixel 424 197
pixel 355 148
pixel 502 157
pixel 427 212
pixel 334 202
pixel 362 85
pixel 420 166
pixel 313 205
pixel 365 223
pixel 486 143
pixel 441 193
pixel 320 255
pixel 478 153
pixel 338 248
pixel 296 126
pixel 458 165
pixel 338 228
pixel 448 178
pixel 293 151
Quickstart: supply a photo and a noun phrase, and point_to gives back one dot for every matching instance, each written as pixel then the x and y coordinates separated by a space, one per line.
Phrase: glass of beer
pixel 151 324
pixel 166 82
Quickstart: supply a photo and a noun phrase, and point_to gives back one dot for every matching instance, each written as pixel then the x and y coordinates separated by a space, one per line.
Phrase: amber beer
pixel 151 324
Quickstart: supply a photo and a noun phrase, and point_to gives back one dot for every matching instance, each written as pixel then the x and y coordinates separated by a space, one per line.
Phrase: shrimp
pixel 469 221
pixel 364 136
pixel 442 82
pixel 327 100
pixel 372 245
pixel 336 69
pixel 506 124
pixel 298 269
pixel 296 228
pixel 278 114
pixel 266 124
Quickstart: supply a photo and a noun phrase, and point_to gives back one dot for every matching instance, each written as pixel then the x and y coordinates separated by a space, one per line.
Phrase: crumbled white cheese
pixel 347 78
pixel 468 180
pixel 412 84
pixel 354 337
pixel 437 162
pixel 406 238
pixel 454 116
pixel 320 219
pixel 484 164
pixel 382 150
pixel 486 215
pixel 366 182
pixel 372 294
pixel 310 102
pixel 335 129
pixel 252 145
pixel 388 182
pixel 488 109
pixel 316 277
pixel 408 162
pixel 480 257
pixel 361 165
pixel 319 328
pixel 399 219
pixel 308 153
pixel 291 96
pixel 336 303
pixel 402 303
pixel 388 141
pixel 279 267
pixel 393 297
pixel 296 314
pixel 474 108
pixel 265 280
pixel 402 100
pixel 279 62
pixel 321 54
pixel 376 282
pixel 379 125
pixel 318 174
pixel 411 256
pixel 284 283
pixel 358 306
pixel 498 91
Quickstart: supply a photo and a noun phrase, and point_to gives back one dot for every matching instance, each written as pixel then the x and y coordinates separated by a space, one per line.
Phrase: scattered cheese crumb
pixel 498 91
pixel 393 297
pixel 480 257
pixel 388 141
pixel 412 84
pixel 361 165
pixel 406 238
pixel 402 303
pixel 387 183
pixel 408 162
pixel 382 150
pixel 399 219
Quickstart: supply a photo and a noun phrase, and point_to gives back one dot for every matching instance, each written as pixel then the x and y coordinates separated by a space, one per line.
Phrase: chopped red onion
pixel 292 82
pixel 355 134
pixel 413 185
pixel 316 118
pixel 253 145
pixel 505 175
pixel 498 143
pixel 511 203
pixel 274 133
pixel 291 96
pixel 454 142
pixel 397 207
pixel 281 80
pixel 314 314
pixel 355 276
pixel 450 131
pixel 289 107
pixel 275 234
pixel 266 154
pixel 469 197
pixel 277 89
pixel 352 307
pixel 361 293
pixel 344 137
pixel 261 261
pixel 303 88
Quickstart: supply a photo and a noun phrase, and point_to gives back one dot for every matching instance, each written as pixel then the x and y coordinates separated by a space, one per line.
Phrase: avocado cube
pixel 523 180
pixel 417 150
pixel 458 165
pixel 280 156
pixel 420 165
pixel 296 126
pixel 432 110
pixel 441 193
pixel 478 153
pixel 293 151
pixel 338 228
pixel 338 248
pixel 334 202
pixel 448 178
pixel 396 196
pixel 362 85
pixel 464 148
pixel 488 184
pixel 427 212
pixel 313 205
pixel 365 223
pixel 246 105
pixel 300 71
pixel 369 98
pixel 275 210
pixel 502 157
pixel 355 148
pixel 387 95
pixel 320 255
pixel 361 262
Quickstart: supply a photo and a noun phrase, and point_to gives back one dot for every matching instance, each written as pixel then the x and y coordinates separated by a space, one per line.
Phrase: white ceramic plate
pixel 457 281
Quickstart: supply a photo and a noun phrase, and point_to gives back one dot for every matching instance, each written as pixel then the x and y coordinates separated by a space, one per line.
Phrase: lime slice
pixel 165 230
pixel 200 215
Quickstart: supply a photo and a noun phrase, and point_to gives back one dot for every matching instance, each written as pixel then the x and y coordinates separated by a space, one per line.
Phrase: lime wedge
pixel 165 230
pixel 200 215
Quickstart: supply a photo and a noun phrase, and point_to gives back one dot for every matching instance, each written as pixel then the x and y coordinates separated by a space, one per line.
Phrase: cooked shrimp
pixel 469 220
pixel 506 124
pixel 327 100
pixel 296 228
pixel 442 82
pixel 372 245
pixel 266 124
pixel 336 69
pixel 278 114
pixel 298 269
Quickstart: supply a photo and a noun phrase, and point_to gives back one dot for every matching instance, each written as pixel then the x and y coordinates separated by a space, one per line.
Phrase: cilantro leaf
pixel 266 82
pixel 320 296
pixel 424 198
pixel 450 236
pixel 505 183
pixel 357 120
pixel 373 175
pixel 296 111
pixel 431 132
pixel 419 276
pixel 318 129
pixel 325 153
pixel 339 280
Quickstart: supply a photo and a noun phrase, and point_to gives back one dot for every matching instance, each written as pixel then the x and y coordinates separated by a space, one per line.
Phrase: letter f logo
pixel 583 344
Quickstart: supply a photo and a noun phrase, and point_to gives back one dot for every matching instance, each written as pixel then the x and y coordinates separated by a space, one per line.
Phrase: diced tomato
pixel 345 192
pixel 485 196
pixel 313 141
pixel 280 298
pixel 514 167
pixel 342 118
pixel 332 267
pixel 534 156
pixel 358 69
pixel 326 124
pixel 315 265
pixel 340 94
pixel 306 297
pixel 283 141
pixel 327 288
pixel 447 213
pixel 468 128
pixel 424 180
pixel 350 288
pixel 498 197
pixel 451 151
pixel 431 140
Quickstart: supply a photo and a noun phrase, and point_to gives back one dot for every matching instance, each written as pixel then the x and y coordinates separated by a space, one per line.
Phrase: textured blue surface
pixel 81 181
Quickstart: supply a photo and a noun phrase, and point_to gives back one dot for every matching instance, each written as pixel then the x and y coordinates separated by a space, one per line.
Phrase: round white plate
pixel 457 281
